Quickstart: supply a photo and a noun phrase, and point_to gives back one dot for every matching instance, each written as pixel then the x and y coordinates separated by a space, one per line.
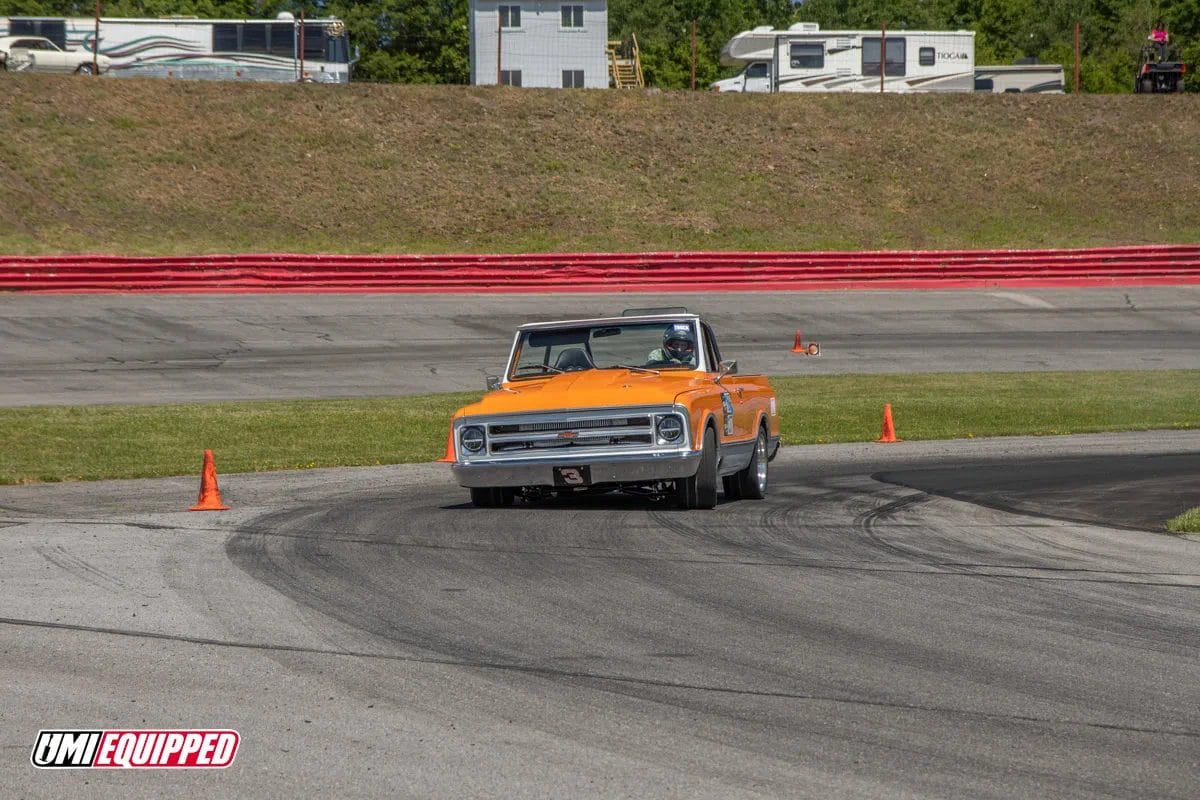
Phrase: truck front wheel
pixel 700 490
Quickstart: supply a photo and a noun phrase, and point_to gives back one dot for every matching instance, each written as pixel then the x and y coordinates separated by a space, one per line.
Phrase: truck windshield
pixel 647 345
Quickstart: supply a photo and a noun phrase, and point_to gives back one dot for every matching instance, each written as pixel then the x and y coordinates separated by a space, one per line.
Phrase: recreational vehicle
pixel 804 58
pixel 1002 79
pixel 228 49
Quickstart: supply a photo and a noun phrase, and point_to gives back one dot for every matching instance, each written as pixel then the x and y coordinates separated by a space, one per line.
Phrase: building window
pixel 510 16
pixel 510 77
pixel 572 78
pixel 572 16
pixel 926 57
pixel 808 56
pixel 894 65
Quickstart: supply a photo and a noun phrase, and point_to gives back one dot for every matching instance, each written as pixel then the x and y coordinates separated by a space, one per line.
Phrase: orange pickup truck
pixel 641 403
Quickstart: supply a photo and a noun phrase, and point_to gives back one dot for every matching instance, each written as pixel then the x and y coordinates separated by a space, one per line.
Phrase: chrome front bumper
pixel 622 468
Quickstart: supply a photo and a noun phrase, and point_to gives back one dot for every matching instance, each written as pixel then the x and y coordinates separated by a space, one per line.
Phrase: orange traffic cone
pixel 888 434
pixel 210 495
pixel 813 349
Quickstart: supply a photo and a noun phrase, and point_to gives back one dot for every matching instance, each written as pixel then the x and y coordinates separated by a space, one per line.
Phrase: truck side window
pixel 756 70
pixel 711 350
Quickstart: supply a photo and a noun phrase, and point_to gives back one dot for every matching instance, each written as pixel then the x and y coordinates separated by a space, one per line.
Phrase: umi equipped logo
pixel 135 749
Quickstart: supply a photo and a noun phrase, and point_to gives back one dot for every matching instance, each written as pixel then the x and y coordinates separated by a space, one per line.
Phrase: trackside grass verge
pixel 1187 522
pixel 94 442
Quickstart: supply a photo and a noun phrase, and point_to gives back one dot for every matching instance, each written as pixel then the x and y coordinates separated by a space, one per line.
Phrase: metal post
pixel 302 45
pixel 882 54
pixel 499 42
pixel 96 43
pixel 1076 58
pixel 693 54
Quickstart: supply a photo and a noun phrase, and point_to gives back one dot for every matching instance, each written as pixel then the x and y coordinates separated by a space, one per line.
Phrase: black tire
pixel 700 490
pixel 752 481
pixel 733 489
pixel 492 497
pixel 84 69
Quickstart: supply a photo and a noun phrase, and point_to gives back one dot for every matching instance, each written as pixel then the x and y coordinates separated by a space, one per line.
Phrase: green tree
pixel 411 41
pixel 664 31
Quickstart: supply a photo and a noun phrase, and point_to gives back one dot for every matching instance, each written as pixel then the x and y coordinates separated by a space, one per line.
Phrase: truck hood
pixel 592 388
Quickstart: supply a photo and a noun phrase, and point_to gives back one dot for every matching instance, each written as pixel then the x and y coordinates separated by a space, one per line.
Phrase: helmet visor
pixel 679 349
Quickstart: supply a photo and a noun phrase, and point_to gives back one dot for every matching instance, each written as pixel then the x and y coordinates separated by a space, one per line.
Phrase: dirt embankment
pixel 161 167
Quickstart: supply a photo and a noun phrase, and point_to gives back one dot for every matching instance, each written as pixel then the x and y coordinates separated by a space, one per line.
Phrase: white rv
pixel 1029 77
pixel 805 58
pixel 229 49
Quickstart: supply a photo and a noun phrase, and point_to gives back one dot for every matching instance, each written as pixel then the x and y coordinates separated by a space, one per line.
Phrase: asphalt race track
pixel 989 618
pixel 868 631
pixel 67 349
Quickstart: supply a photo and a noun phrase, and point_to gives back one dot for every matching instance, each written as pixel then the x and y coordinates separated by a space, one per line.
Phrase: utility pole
pixel 96 43
pixel 882 55
pixel 301 45
pixel 1076 58
pixel 693 54
pixel 499 42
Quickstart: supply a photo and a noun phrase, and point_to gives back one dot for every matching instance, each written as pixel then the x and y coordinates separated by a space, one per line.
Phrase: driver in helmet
pixel 678 349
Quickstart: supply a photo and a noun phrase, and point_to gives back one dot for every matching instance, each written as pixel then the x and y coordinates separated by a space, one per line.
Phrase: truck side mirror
pixel 726 368
pixel 493 382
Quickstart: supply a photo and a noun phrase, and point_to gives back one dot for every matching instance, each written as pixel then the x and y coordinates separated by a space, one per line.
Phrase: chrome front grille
pixel 568 425
pixel 613 433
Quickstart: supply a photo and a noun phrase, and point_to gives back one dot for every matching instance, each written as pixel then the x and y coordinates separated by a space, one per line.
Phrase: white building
pixel 542 43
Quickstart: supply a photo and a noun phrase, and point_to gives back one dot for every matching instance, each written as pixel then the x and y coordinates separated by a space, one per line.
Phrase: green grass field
pixel 185 167
pixel 1187 522
pixel 94 442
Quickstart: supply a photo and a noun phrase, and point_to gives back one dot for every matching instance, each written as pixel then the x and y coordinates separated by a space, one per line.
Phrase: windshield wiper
pixel 635 369
pixel 542 367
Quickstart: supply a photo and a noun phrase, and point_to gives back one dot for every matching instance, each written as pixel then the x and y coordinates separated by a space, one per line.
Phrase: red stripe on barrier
pixel 600 272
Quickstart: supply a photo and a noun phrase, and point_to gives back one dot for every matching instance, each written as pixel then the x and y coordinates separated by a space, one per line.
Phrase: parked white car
pixel 39 54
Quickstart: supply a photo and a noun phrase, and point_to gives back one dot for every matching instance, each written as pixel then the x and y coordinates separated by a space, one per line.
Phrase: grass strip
pixel 93 442
pixel 1187 522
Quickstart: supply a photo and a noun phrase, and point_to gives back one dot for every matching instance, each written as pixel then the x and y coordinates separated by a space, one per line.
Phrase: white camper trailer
pixel 804 58
pixel 203 49
pixel 1028 77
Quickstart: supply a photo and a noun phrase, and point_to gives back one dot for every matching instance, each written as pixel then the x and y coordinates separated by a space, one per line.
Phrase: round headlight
pixel 670 429
pixel 472 439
